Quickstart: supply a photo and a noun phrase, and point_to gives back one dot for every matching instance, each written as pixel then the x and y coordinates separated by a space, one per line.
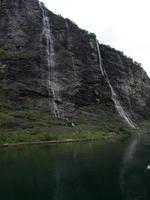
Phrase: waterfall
pixel 100 58
pixel 69 47
pixel 50 54
pixel 118 106
pixel 114 96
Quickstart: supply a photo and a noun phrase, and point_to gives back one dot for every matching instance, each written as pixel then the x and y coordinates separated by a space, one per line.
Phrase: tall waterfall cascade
pixel 114 96
pixel 100 58
pixel 69 47
pixel 50 53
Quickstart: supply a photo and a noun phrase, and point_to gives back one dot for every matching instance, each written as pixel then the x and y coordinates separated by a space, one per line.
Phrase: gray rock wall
pixel 72 81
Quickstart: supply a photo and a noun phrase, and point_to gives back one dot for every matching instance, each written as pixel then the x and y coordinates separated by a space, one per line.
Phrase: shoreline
pixel 50 142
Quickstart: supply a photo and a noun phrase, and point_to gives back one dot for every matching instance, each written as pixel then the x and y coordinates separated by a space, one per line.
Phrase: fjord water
pixel 112 170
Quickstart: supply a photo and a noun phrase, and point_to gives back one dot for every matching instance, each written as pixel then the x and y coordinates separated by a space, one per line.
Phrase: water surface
pixel 113 170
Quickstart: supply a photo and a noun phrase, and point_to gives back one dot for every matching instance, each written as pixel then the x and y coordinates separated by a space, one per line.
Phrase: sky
pixel 122 24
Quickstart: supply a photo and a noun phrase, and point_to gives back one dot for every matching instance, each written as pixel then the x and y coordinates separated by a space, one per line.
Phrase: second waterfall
pixel 114 96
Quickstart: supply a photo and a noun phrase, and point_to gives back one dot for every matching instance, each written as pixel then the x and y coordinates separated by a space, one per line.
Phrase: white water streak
pixel 119 108
pixel 50 55
pixel 69 47
pixel 114 96
pixel 100 58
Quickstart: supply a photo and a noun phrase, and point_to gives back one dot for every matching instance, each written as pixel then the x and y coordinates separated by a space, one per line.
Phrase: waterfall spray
pixel 51 87
pixel 114 96
pixel 100 58
pixel 69 47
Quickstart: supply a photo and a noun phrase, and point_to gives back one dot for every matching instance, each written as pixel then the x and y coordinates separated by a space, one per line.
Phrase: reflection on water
pixel 113 170
pixel 134 176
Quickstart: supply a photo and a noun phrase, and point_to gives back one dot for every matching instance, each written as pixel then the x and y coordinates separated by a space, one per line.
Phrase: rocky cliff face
pixel 50 64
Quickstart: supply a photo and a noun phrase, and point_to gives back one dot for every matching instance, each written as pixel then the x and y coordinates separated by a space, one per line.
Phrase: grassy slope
pixel 35 125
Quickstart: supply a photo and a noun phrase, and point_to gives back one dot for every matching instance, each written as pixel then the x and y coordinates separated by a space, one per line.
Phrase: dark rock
pixel 70 82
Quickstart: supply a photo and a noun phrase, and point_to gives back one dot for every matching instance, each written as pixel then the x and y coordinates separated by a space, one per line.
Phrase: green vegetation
pixel 6 117
pixel 37 125
pixel 12 54
pixel 92 35
pixel 7 53
pixel 145 125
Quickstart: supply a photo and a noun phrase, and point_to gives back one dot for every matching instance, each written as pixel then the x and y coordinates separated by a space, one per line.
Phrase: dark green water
pixel 81 171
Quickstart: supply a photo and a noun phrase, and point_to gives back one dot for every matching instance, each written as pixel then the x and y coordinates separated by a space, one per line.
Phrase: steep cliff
pixel 49 64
